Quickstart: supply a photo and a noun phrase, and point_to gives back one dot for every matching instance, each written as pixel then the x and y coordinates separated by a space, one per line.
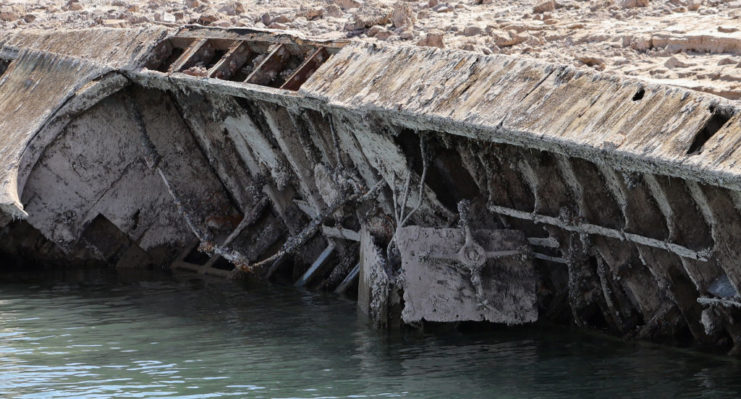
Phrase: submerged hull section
pixel 445 186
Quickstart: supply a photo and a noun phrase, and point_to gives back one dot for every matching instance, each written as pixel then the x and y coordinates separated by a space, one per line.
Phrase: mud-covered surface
pixel 445 278
pixel 609 204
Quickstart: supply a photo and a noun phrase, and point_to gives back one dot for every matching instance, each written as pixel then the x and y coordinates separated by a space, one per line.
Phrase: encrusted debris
pixel 448 276
pixel 451 186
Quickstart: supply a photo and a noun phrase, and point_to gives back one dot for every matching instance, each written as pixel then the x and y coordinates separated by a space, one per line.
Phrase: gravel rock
pixel 406 35
pixel 633 3
pixel 510 38
pixel 208 18
pixel 594 62
pixel 233 8
pixel 114 23
pixel 379 32
pixel 74 6
pixel 278 25
pixel 727 61
pixel 196 71
pixel 334 11
pixel 282 19
pixel 8 14
pixel 403 15
pixel 313 13
pixel 366 20
pixel 432 39
pixel 694 5
pixel 348 4
pixel 472 31
pixel 546 6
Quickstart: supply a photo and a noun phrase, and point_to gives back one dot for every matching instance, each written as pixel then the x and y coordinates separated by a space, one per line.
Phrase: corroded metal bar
pixel 349 279
pixel 587 228
pixel 319 262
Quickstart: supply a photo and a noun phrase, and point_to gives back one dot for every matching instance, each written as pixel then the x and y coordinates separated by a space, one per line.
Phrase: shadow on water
pixel 91 333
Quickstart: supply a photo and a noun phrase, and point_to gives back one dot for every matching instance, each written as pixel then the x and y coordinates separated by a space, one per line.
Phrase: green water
pixel 95 336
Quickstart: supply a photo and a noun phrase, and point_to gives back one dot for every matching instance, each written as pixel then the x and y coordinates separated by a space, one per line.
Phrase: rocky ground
pixel 690 43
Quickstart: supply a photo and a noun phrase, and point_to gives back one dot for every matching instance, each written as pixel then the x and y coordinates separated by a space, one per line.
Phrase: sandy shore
pixel 689 43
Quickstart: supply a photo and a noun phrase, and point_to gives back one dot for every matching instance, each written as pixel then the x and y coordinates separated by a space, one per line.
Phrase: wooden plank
pixel 187 55
pixel 270 67
pixel 307 68
pixel 238 55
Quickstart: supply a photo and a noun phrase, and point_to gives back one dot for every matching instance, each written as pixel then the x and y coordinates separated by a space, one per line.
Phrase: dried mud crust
pixel 689 43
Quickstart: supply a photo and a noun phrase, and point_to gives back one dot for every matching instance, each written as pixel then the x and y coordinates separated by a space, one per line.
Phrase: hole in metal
pixel 715 122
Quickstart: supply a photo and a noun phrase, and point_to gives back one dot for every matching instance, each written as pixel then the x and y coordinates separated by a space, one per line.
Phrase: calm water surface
pixel 100 337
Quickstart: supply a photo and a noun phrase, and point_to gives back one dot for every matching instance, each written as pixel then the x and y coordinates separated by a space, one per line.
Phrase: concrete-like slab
pixel 440 287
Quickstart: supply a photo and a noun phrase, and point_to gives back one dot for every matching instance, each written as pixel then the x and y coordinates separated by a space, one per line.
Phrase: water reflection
pixel 193 339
